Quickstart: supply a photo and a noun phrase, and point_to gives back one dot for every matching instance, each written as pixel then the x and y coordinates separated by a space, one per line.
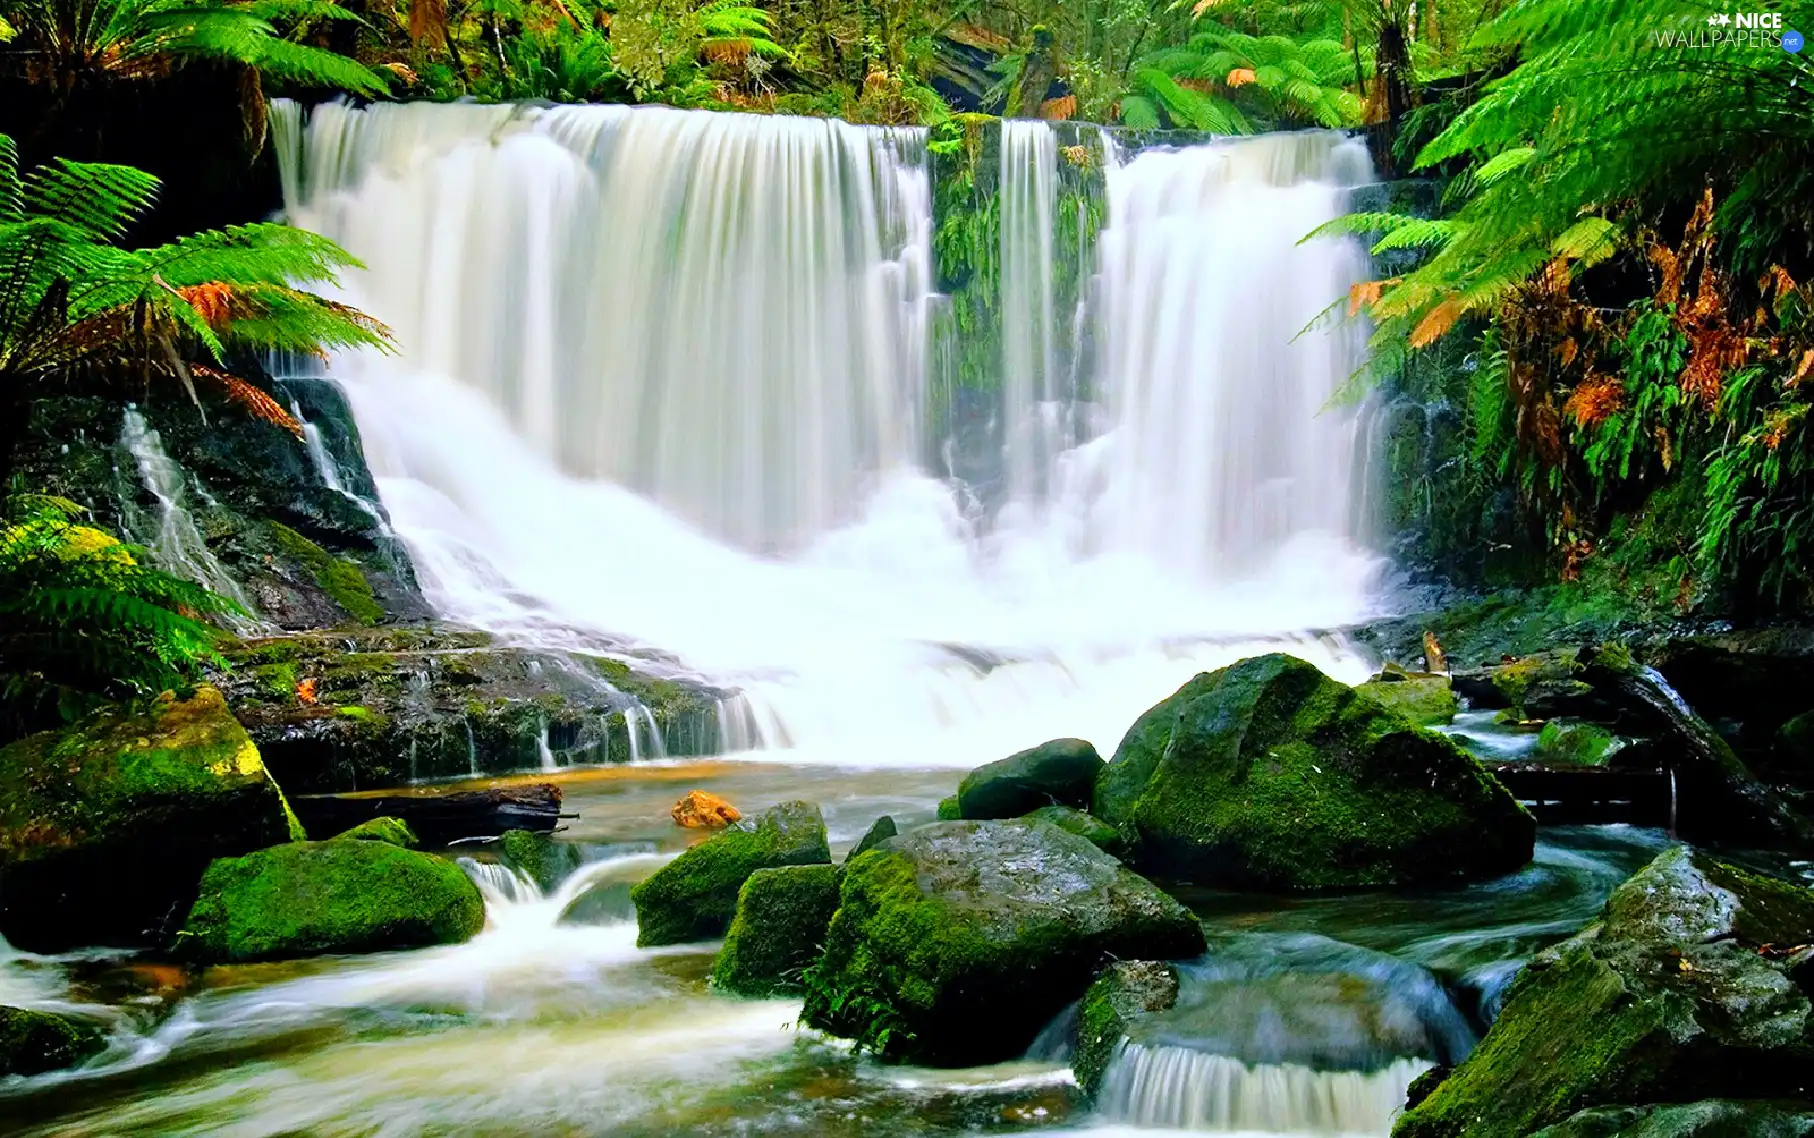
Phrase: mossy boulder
pixel 1272 775
pixel 694 897
pixel 107 825
pixel 948 809
pixel 780 925
pixel 1714 1119
pixel 1573 743
pixel 879 831
pixel 954 943
pixel 309 898
pixel 32 1042
pixel 393 830
pixel 1688 987
pixel 1123 993
pixel 539 857
pixel 1424 700
pixel 1099 833
pixel 1058 772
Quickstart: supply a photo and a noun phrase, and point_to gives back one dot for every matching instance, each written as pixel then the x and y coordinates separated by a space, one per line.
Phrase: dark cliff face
pixel 301 551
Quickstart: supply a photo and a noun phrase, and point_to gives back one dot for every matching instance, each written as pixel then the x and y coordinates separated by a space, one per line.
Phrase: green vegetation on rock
pixel 1273 775
pixel 32 1042
pixel 309 898
pixel 106 825
pixel 778 931
pixel 954 943
pixel 393 830
pixel 1424 700
pixel 1125 991
pixel 339 577
pixel 1059 772
pixel 694 897
pixel 1573 743
pixel 1712 1119
pixel 879 831
pixel 948 810
pixel 1099 833
pixel 539 857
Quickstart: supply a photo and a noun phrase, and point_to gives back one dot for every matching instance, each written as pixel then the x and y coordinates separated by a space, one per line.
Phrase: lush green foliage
pixel 82 618
pixel 1230 82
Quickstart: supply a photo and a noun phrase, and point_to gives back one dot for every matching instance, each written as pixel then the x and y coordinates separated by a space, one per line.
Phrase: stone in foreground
pixel 1123 993
pixel 694 896
pixel 310 898
pixel 32 1042
pixel 1060 772
pixel 1268 774
pixel 955 943
pixel 1687 988
pixel 780 925
pixel 106 826
pixel 1713 1119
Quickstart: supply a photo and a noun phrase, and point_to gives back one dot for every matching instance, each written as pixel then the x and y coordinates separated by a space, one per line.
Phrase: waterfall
pixel 660 379
pixel 1182 1089
pixel 1224 449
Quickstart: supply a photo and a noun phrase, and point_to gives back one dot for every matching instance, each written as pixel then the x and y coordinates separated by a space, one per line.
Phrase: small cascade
pixel 499 884
pixel 1029 324
pixel 172 536
pixel 329 470
pixel 1183 1089
pixel 542 749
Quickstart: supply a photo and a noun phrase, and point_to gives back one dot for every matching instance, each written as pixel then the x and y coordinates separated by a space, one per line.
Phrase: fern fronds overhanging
pixel 83 619
pixel 76 306
pixel 1232 83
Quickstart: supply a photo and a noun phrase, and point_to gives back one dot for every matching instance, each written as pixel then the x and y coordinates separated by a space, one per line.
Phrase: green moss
pixel 308 898
pixel 353 711
pixel 393 830
pixel 694 897
pixel 1424 700
pixel 879 831
pixel 32 1042
pixel 779 929
pixel 539 857
pixel 1097 832
pixel 1124 992
pixel 276 682
pixel 1120 783
pixel 948 809
pixel 1279 777
pixel 1061 771
pixel 1571 743
pixel 338 577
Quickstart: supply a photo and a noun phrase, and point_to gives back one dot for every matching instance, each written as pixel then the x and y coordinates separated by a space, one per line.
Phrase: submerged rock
pixel 1059 772
pixel 393 830
pixel 955 943
pixel 702 810
pixel 1123 993
pixel 1424 700
pixel 779 928
pixel 1269 774
pixel 1688 987
pixel 32 1042
pixel 539 857
pixel 1100 834
pixel 694 896
pixel 309 898
pixel 106 826
pixel 1713 1119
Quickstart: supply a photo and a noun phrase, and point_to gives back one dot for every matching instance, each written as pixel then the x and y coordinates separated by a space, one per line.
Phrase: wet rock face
pixel 360 709
pixel 32 1042
pixel 1690 986
pixel 345 895
pixel 694 896
pixel 1269 774
pixel 1713 1119
pixel 1060 772
pixel 106 826
pixel 955 943
pixel 1125 992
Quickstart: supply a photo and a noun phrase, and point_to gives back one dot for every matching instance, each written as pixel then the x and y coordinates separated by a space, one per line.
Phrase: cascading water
pixel 660 379
pixel 1029 335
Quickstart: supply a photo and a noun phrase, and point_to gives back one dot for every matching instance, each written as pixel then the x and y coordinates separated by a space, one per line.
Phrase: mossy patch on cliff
pixel 339 577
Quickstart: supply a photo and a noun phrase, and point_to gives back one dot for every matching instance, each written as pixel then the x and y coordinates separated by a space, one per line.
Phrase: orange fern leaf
pixel 253 400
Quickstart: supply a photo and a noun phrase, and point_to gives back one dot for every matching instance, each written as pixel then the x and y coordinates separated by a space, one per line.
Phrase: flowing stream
pixel 661 377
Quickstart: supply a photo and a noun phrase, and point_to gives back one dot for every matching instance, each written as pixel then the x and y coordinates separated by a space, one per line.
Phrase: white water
pixel 1182 1089
pixel 1029 333
pixel 660 378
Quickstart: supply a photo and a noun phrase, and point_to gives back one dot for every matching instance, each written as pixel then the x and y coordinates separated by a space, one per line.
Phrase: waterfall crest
pixel 1182 1089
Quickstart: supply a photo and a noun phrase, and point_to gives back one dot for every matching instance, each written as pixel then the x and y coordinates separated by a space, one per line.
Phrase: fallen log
pixel 437 819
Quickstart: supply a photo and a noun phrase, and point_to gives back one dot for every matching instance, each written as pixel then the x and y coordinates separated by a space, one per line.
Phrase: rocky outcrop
pixel 1123 993
pixel 954 943
pixel 345 895
pixel 1269 774
pixel 367 708
pixel 1060 772
pixel 780 925
pixel 106 826
pixel 1713 1119
pixel 1423 699
pixel 1690 986
pixel 694 896
pixel 33 1042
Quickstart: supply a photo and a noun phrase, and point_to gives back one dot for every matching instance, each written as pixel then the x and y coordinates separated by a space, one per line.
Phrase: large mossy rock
pixel 694 896
pixel 955 943
pixel 1125 992
pixel 1269 774
pixel 1690 986
pixel 1424 700
pixel 32 1042
pixel 106 826
pixel 345 895
pixel 780 925
pixel 1714 1119
pixel 1059 772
